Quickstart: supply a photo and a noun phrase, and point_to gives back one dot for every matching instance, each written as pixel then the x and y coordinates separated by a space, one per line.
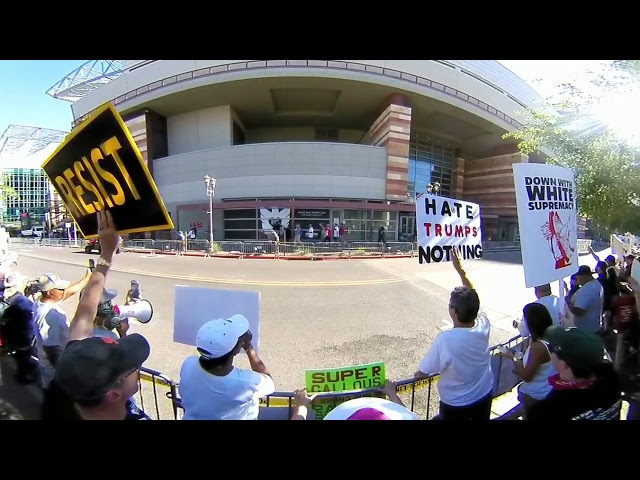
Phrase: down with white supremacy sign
pixel 443 224
pixel 546 200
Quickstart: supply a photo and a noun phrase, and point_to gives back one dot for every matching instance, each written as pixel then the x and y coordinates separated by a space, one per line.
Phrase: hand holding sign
pixel 107 234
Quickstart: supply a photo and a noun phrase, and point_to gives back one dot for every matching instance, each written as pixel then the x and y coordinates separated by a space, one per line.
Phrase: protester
pixel 95 377
pixel 550 301
pixel 586 386
pixel 586 304
pixel 211 388
pixel 53 326
pixel 18 328
pixel 461 356
pixel 364 408
pixel 536 367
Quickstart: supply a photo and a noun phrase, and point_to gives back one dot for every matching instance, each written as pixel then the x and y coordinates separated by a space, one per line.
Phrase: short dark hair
pixel 466 303
pixel 538 319
pixel 211 363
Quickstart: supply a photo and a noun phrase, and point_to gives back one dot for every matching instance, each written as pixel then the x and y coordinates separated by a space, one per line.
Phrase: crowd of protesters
pixel 89 372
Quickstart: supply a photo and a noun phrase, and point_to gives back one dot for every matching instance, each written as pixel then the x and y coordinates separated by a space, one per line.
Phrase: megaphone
pixel 141 310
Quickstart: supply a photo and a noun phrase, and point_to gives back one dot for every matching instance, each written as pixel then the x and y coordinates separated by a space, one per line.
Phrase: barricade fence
pixel 245 248
pixel 158 394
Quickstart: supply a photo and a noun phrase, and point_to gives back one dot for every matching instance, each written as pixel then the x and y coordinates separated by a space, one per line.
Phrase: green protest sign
pixel 343 379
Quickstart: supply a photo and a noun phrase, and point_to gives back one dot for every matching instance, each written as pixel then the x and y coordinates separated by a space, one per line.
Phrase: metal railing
pixel 419 395
pixel 271 248
pixel 321 64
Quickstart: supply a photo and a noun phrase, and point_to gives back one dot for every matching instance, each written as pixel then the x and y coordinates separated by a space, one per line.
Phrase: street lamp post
pixel 210 182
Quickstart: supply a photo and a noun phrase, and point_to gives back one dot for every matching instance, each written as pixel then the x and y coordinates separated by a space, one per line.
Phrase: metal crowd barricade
pixel 157 395
pixel 425 405
pixel 245 248
pixel 366 249
pixel 139 244
pixel 399 248
pixel 260 247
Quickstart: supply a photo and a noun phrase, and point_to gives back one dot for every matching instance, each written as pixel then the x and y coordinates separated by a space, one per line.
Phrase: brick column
pixel 392 130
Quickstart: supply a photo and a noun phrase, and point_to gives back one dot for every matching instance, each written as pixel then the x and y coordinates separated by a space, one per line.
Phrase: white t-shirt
pixel 461 356
pixel 553 306
pixel 235 396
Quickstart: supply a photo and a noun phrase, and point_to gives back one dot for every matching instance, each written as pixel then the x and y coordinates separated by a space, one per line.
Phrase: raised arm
pixel 81 326
pixel 455 261
pixel 78 286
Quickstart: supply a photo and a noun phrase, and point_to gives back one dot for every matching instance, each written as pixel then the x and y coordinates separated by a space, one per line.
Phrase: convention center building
pixel 312 142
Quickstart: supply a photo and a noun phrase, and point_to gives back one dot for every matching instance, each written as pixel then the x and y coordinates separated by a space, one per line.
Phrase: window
pixel 429 163
pixel 241 224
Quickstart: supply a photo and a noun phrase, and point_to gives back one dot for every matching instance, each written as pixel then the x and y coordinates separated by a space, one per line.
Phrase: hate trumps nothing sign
pixel 444 224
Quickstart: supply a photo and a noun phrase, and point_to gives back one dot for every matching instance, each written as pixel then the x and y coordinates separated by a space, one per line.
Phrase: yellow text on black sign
pixel 89 186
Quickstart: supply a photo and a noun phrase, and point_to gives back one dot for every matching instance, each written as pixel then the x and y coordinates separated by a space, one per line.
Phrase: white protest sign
pixel 444 223
pixel 546 200
pixel 619 247
pixel 194 306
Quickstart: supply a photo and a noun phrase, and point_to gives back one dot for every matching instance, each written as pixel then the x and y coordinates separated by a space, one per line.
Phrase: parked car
pixel 94 244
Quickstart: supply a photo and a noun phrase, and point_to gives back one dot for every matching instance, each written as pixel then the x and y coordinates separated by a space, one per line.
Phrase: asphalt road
pixel 313 314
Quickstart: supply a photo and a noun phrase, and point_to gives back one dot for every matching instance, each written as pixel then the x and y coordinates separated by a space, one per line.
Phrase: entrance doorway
pixel 337 216
pixel 407 232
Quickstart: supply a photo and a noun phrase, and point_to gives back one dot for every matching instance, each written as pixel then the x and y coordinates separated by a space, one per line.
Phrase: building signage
pixel 311 214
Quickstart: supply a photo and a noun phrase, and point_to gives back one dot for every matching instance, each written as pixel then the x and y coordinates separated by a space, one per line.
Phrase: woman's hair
pixel 538 319
pixel 601 267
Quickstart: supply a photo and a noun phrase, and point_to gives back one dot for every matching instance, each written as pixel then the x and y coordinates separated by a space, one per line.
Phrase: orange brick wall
pixel 392 130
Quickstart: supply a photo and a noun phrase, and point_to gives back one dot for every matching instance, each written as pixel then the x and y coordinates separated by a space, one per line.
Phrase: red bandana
pixel 559 384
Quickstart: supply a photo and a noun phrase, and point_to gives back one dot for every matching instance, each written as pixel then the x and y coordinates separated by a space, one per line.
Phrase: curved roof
pixel 28 147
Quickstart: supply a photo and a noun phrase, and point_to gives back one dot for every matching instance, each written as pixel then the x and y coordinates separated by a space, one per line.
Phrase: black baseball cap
pixel 89 368
pixel 584 270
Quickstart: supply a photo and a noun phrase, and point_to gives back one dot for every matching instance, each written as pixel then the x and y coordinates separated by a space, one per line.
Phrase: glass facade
pixel 429 163
pixel 361 225
pixel 34 195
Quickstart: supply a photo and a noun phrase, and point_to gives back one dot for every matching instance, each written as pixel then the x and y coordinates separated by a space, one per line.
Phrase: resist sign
pixel 445 223
pixel 99 166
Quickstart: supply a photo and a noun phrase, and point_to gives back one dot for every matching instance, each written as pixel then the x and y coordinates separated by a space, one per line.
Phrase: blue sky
pixel 23 98
pixel 23 84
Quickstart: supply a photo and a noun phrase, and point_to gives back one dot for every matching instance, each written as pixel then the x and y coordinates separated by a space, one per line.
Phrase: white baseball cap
pixel 51 281
pixel 370 408
pixel 216 338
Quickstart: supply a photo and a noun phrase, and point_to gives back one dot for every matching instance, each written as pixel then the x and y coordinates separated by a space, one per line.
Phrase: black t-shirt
pixel 56 405
pixel 601 401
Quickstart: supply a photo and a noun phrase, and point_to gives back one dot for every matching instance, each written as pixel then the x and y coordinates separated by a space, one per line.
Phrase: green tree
pixel 606 168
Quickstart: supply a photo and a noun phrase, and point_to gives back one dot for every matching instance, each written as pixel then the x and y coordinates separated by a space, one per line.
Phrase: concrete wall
pixel 200 130
pixel 299 134
pixel 317 170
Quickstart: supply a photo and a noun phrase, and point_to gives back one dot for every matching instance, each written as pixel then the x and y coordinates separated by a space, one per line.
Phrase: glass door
pixel 407 231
